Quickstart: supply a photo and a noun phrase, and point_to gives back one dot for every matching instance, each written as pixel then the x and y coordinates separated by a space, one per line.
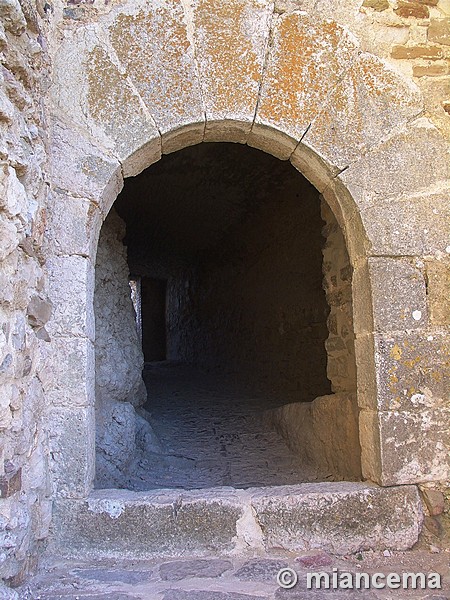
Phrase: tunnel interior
pixel 242 323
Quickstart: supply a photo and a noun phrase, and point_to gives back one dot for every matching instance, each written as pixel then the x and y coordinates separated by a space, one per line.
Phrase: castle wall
pixel 25 487
pixel 364 114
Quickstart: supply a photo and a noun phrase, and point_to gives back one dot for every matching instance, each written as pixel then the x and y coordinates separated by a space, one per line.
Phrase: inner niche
pixel 241 328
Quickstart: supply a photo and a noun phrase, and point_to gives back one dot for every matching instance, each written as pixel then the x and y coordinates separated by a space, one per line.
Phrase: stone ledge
pixel 337 517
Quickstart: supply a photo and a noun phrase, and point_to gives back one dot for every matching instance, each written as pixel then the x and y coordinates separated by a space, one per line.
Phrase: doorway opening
pixel 247 346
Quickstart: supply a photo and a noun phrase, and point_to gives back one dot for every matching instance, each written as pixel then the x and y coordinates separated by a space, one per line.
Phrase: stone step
pixel 340 518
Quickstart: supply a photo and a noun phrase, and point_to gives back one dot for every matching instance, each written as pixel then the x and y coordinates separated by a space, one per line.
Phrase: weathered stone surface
pixel 163 523
pixel 378 5
pixel 411 371
pixel 325 516
pixel 70 381
pixel 72 314
pixel 83 169
pixel 435 501
pixel 361 110
pixel 187 569
pixel 260 569
pixel 438 287
pixel 416 51
pixel 169 523
pixel 416 226
pixel 412 9
pixel 207 595
pixel 416 159
pixel 10 483
pixel 104 102
pixel 415 446
pixel 306 59
pixel 398 294
pixel 118 351
pixel 12 16
pixel 132 577
pixel 71 463
pixel 153 72
pixel 439 31
pixel 230 62
pixel 39 311
pixel 323 432
pixel 154 45
pixel 77 222
pixel 436 69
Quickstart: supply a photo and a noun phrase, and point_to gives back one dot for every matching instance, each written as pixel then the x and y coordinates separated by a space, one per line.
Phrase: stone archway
pixel 351 124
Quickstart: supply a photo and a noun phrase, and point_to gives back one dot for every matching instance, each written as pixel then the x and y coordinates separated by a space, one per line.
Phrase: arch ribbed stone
pixel 146 79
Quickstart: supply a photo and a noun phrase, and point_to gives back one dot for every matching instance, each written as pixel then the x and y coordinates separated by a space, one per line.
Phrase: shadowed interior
pixel 229 246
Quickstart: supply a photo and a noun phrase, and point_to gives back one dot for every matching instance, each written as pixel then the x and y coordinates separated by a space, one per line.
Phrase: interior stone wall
pixel 337 282
pixel 253 305
pixel 325 432
pixel 25 506
pixel 121 433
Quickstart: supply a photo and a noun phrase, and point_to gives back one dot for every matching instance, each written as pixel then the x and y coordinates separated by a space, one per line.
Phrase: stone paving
pixel 213 434
pixel 233 578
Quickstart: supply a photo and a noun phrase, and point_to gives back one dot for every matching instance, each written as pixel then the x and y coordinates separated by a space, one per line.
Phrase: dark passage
pixel 153 307
pixel 230 249
pixel 236 234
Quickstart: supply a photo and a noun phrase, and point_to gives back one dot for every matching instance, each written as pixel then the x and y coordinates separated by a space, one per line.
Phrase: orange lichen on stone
pixel 306 61
pixel 370 101
pixel 231 40
pixel 154 47
pixel 114 105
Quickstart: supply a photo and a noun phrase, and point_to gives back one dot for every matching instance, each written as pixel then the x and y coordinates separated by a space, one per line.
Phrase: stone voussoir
pixel 305 61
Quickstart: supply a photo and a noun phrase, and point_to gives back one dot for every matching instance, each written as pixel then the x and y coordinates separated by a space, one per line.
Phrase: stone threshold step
pixel 340 518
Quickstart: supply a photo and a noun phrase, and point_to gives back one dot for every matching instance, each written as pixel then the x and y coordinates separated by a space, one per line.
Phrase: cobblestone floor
pixel 213 434
pixel 236 578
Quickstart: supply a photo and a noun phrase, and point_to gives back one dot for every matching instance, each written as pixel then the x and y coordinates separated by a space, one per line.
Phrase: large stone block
pixel 69 381
pixel 72 225
pixel 307 58
pixel 71 435
pixel 339 518
pixel 411 371
pixel 398 295
pixel 154 44
pixel 103 101
pixel 416 226
pixel 362 109
pixel 418 158
pixel 231 41
pixel 71 289
pixel 438 289
pixel 118 523
pixel 81 168
pixel 415 446
pixel 324 433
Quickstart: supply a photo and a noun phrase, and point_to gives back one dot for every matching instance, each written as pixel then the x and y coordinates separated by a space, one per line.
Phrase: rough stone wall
pixel 254 306
pixel 119 361
pixel 337 281
pixel 401 182
pixel 325 432
pixel 24 308
pixel 118 355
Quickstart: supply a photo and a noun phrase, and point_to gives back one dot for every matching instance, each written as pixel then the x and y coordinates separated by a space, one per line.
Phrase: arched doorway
pixel 259 385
